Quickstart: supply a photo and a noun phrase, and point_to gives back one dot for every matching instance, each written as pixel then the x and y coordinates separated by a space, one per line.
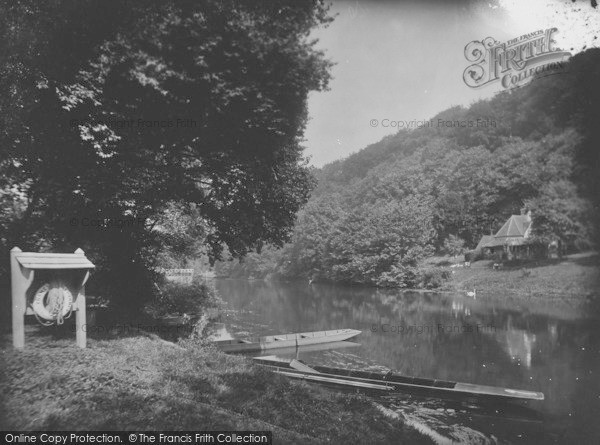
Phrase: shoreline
pixel 573 280
pixel 573 277
pixel 133 382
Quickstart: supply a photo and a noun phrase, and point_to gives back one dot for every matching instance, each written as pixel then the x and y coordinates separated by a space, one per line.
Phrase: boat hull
pixel 286 340
pixel 392 382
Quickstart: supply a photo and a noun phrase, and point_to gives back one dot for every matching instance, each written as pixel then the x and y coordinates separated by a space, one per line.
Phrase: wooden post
pixel 80 326
pixel 80 315
pixel 20 279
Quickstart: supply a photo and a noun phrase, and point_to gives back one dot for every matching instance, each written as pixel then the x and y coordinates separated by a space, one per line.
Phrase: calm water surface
pixel 443 336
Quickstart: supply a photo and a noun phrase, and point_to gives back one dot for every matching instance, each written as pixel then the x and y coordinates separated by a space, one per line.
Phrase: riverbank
pixel 573 280
pixel 140 382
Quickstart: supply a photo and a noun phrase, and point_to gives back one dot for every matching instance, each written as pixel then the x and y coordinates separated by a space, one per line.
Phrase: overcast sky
pixel 404 60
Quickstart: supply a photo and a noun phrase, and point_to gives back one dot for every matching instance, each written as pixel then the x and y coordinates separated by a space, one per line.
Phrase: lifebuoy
pixel 57 306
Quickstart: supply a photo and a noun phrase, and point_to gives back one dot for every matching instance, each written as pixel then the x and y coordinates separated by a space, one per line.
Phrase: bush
pixel 424 276
pixel 444 263
pixel 454 245
pixel 397 276
pixel 433 277
pixel 474 255
pixel 178 299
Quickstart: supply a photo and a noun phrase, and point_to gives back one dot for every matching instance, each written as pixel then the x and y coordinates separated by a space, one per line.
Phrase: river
pixel 443 336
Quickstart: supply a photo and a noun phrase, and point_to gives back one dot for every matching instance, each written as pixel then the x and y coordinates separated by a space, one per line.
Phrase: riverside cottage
pixel 511 242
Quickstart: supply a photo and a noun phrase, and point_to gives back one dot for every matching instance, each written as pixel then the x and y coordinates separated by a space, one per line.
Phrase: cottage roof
pixel 506 241
pixel 484 240
pixel 514 232
pixel 516 225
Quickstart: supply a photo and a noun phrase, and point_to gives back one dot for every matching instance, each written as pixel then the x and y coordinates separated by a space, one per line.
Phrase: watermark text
pixel 438 328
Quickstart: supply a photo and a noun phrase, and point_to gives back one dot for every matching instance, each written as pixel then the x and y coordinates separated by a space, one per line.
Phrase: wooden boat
pixel 293 350
pixel 393 382
pixel 285 340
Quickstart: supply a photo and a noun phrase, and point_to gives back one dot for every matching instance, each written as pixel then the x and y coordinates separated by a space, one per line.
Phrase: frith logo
pixel 515 62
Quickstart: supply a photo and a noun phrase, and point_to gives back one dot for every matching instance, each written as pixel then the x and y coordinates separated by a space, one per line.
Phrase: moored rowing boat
pixel 393 382
pixel 285 340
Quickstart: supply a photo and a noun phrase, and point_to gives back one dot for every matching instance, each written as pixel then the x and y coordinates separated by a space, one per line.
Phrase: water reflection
pixel 448 337
pixel 519 344
pixel 459 309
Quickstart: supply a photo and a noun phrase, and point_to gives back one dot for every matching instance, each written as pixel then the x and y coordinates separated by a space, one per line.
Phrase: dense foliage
pixel 119 117
pixel 378 213
pixel 179 299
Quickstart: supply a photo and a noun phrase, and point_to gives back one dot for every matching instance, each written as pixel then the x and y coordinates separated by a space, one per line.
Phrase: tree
pixel 201 103
pixel 453 245
pixel 560 214
pixel 376 214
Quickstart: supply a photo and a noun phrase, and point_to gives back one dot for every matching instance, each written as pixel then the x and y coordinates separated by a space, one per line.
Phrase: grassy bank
pixel 574 279
pixel 141 382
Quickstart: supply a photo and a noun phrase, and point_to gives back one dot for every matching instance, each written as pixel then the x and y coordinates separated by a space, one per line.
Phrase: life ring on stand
pixel 53 302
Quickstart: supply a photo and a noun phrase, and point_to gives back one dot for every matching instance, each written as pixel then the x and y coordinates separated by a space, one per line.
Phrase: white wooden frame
pixel 22 271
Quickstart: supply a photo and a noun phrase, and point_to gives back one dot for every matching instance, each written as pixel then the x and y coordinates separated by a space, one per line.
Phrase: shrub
pixel 178 299
pixel 444 263
pixel 397 276
pixel 474 255
pixel 454 245
pixel 433 277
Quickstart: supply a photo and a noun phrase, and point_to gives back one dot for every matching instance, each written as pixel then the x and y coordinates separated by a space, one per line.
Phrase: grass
pixel 573 278
pixel 140 382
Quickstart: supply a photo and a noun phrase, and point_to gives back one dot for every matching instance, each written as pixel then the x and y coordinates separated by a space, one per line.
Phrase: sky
pixel 404 61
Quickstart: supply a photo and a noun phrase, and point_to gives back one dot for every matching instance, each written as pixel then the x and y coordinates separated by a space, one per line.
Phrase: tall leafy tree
pixel 116 109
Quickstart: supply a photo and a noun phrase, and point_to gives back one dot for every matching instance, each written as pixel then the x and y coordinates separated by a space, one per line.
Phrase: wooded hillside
pixel 376 214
